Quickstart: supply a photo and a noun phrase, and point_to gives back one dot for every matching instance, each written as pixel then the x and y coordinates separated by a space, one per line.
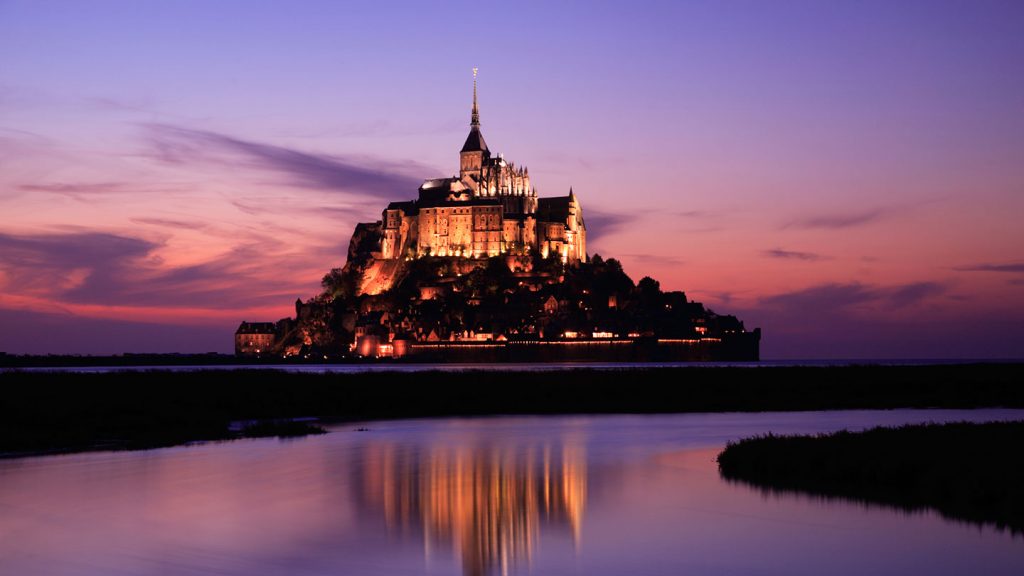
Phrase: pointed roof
pixel 475 141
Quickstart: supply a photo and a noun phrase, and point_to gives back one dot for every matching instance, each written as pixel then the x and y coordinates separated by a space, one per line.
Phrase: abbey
pixel 489 209
pixel 478 268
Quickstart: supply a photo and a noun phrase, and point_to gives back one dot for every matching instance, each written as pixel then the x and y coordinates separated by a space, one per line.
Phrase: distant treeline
pixel 42 411
pixel 128 359
pixel 971 472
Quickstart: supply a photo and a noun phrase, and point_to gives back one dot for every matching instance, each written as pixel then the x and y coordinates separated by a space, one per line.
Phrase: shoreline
pixel 217 361
pixel 272 428
pixel 75 411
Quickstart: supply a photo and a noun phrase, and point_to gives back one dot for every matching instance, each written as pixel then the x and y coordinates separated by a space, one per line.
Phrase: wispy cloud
pixel 110 104
pixel 249 208
pixel 90 192
pixel 910 294
pixel 701 230
pixel 793 255
pixel 828 299
pixel 1013 267
pixel 824 297
pixel 349 212
pixel 54 264
pixel 99 268
pixel 170 223
pixel 378 127
pixel 600 223
pixel 18 144
pixel 74 189
pixel 724 297
pixel 364 176
pixel 694 214
pixel 653 259
pixel 839 221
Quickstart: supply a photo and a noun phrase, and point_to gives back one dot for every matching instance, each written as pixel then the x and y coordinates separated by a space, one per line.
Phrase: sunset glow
pixel 849 178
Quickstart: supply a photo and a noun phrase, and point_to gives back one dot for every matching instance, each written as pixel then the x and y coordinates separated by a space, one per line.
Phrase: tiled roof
pixel 256 328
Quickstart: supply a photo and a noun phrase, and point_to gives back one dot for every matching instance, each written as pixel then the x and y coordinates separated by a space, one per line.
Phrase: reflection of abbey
pixel 489 209
pixel 487 502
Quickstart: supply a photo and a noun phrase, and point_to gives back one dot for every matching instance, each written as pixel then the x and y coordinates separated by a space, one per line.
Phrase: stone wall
pixel 739 347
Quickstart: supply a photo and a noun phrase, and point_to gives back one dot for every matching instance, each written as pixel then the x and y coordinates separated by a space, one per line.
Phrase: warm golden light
pixel 488 503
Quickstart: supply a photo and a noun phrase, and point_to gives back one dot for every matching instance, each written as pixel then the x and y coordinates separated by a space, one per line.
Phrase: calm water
pixel 545 495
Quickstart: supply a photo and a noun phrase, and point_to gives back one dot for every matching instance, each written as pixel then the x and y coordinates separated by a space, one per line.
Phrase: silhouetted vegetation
pixel 281 429
pixel 42 411
pixel 57 360
pixel 484 295
pixel 965 471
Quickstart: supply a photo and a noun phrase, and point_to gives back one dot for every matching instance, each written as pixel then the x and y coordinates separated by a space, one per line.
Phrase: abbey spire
pixel 475 141
pixel 475 117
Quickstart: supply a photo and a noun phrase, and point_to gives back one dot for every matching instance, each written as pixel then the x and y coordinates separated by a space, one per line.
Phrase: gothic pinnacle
pixel 475 118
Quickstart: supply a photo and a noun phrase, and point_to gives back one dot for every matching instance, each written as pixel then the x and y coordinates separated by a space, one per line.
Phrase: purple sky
pixel 847 176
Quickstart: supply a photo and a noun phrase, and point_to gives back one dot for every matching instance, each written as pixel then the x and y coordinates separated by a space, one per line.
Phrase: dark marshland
pixel 71 411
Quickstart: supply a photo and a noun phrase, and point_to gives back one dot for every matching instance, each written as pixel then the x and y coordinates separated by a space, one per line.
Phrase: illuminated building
pixel 255 338
pixel 478 268
pixel 488 209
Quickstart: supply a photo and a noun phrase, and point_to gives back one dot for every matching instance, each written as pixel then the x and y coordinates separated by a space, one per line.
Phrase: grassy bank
pixel 970 472
pixel 74 411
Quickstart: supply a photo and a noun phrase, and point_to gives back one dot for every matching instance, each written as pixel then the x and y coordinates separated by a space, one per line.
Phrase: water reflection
pixel 601 495
pixel 488 503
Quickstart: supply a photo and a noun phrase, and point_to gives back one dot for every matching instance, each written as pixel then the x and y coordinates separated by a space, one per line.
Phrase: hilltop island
pixel 479 268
